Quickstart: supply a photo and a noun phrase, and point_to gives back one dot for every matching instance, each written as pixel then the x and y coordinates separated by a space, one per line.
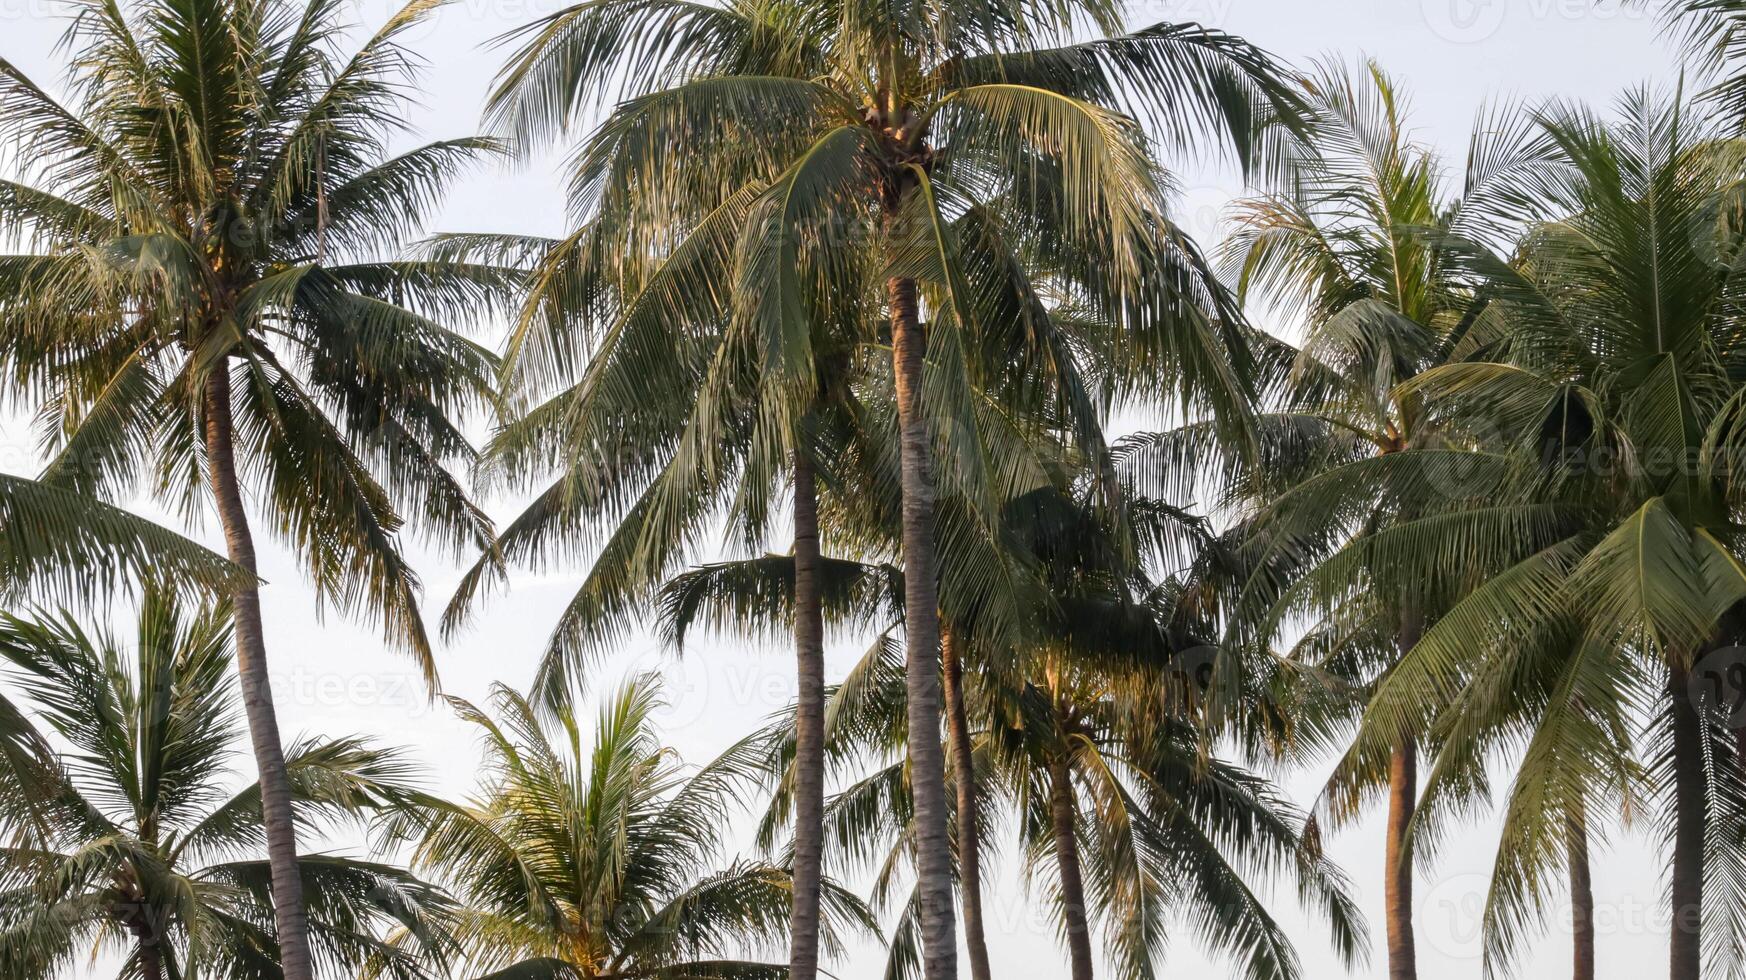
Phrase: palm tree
pixel 1103 707
pixel 803 437
pixel 137 840
pixel 828 150
pixel 985 591
pixel 1069 715
pixel 585 860
pixel 1358 248
pixel 1121 811
pixel 201 305
pixel 1619 389
pixel 1145 830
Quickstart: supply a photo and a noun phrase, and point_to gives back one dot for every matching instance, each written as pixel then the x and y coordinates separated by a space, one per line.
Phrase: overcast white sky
pixel 333 677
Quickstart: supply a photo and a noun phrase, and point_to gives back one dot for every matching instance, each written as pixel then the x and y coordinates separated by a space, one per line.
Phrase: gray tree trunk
pixel 964 780
pixel 1403 793
pixel 290 923
pixel 1581 903
pixel 1403 768
pixel 922 642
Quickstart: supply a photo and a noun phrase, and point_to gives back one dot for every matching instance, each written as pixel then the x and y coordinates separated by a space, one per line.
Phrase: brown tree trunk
pixel 1685 959
pixel 1403 792
pixel 809 724
pixel 151 959
pixel 1581 903
pixel 290 923
pixel 922 641
pixel 1403 782
pixel 1063 812
pixel 964 780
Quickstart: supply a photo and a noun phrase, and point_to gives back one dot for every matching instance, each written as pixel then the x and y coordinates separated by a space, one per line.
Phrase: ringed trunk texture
pixel 809 725
pixel 964 781
pixel 290 924
pixel 1063 813
pixel 1581 903
pixel 1685 957
pixel 922 641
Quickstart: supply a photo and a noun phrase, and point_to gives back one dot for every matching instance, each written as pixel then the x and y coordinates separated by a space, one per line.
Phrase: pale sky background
pixel 333 677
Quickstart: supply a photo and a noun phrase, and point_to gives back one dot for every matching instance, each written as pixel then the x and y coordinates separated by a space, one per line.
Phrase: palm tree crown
pixel 136 840
pixel 216 204
pixel 579 859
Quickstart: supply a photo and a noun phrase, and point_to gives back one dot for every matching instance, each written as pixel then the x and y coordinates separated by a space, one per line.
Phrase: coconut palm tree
pixel 1357 249
pixel 1618 400
pixel 987 590
pixel 210 301
pixel 137 839
pixel 1127 822
pixel 585 859
pixel 1098 723
pixel 828 150
pixel 1068 716
pixel 1143 827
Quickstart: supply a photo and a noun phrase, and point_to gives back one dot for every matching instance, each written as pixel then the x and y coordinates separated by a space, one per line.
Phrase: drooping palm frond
pixel 58 543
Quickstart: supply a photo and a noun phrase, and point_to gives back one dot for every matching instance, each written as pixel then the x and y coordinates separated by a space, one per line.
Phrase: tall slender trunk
pixel 1685 956
pixel 290 923
pixel 1063 813
pixel 1403 781
pixel 1403 790
pixel 1581 902
pixel 922 641
pixel 809 724
pixel 964 780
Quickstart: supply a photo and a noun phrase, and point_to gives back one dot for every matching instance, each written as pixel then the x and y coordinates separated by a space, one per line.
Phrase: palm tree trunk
pixel 1581 902
pixel 964 780
pixel 922 641
pixel 1403 781
pixel 290 923
pixel 151 959
pixel 809 723
pixel 143 920
pixel 1063 812
pixel 1403 790
pixel 1685 955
